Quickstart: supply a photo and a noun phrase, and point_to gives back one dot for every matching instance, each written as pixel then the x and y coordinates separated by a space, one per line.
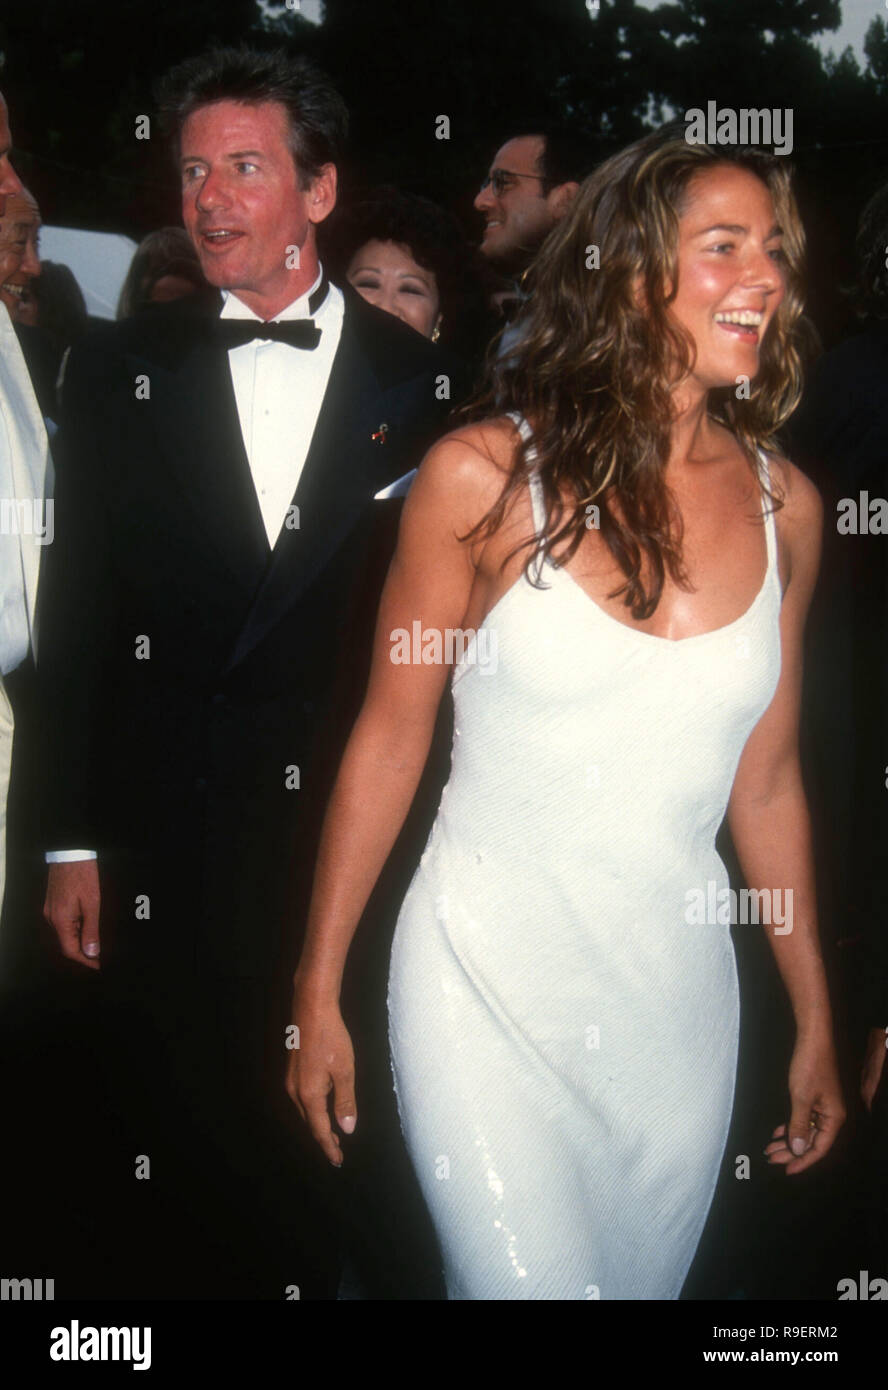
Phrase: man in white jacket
pixel 25 515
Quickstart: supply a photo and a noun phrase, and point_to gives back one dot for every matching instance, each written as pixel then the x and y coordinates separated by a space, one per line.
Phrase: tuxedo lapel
pixel 343 469
pixel 193 407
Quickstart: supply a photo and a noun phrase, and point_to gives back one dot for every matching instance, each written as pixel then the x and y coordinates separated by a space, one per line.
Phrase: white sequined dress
pixel 563 1041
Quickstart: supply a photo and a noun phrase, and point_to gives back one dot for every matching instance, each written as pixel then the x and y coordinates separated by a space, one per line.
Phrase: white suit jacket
pixel 31 481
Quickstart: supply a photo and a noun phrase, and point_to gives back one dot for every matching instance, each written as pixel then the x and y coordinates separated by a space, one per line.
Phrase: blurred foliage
pixel 77 75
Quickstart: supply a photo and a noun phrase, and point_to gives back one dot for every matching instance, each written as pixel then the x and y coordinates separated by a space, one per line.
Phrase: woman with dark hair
pixel 631 563
pixel 164 267
pixel 409 257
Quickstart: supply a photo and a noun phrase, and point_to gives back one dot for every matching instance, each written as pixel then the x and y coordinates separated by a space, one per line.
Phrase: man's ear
pixel 560 198
pixel 322 193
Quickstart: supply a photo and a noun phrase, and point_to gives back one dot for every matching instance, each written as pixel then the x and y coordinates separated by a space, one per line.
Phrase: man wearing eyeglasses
pixel 529 188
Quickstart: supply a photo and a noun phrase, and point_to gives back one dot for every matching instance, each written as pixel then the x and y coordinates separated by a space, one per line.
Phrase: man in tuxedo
pixel 215 501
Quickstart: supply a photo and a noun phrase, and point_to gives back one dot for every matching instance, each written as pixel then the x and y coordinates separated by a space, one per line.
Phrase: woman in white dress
pixel 633 563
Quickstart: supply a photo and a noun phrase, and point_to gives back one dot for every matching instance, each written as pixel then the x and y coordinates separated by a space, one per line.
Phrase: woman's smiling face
pixel 731 272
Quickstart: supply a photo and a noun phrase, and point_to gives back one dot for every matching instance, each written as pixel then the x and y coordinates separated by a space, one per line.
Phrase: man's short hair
pixel 317 115
pixel 567 153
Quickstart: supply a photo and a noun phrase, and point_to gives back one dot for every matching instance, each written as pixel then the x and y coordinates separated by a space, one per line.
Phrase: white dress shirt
pixel 279 390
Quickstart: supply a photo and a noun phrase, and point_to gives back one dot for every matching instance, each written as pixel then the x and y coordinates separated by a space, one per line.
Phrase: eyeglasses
pixel 501 179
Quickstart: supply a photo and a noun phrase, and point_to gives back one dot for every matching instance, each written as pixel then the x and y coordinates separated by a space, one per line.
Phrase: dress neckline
pixel 601 612
pixel 770 564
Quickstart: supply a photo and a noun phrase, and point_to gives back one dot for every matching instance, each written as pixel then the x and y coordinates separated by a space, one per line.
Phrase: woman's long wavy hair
pixel 596 365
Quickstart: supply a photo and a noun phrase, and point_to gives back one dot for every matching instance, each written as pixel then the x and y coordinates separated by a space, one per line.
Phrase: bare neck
pixel 693 436
pixel 293 285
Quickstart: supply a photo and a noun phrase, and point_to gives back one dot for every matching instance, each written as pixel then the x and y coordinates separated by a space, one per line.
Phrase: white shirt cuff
pixel 69 856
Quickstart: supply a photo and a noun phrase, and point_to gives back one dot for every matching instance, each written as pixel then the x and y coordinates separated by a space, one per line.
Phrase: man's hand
pixel 873 1063
pixel 72 909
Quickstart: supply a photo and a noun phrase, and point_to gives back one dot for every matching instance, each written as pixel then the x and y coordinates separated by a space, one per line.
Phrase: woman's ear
pixel 640 295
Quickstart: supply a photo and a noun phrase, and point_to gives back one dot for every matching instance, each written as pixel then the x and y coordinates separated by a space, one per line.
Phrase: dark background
pixel 76 76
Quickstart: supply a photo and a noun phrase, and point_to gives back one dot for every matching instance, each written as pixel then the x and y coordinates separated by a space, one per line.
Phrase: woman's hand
pixel 324 1062
pixel 431 576
pixel 873 1063
pixel 818 1111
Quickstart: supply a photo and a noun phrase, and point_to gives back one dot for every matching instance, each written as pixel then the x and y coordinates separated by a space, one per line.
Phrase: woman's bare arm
pixel 770 825
pixel 429 582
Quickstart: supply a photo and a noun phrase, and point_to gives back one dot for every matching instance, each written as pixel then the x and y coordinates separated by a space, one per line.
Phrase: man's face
pixel 243 206
pixel 19 262
pixel 9 180
pixel 519 218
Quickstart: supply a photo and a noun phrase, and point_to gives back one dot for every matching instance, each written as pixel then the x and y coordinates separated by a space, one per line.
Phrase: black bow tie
pixel 298 333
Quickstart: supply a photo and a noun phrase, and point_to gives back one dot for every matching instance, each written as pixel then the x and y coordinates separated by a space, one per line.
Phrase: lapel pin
pixel 380 434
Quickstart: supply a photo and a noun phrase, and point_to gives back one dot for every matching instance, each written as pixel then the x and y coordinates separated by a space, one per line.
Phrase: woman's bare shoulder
pixel 802 506
pixel 465 471
pixel 478 450
pixel 799 523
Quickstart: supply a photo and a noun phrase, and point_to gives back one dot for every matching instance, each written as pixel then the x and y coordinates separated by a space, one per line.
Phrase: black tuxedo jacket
pixel 193 680
pixel 43 360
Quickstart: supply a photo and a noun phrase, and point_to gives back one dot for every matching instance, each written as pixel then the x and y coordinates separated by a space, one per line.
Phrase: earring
pixel 436 331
